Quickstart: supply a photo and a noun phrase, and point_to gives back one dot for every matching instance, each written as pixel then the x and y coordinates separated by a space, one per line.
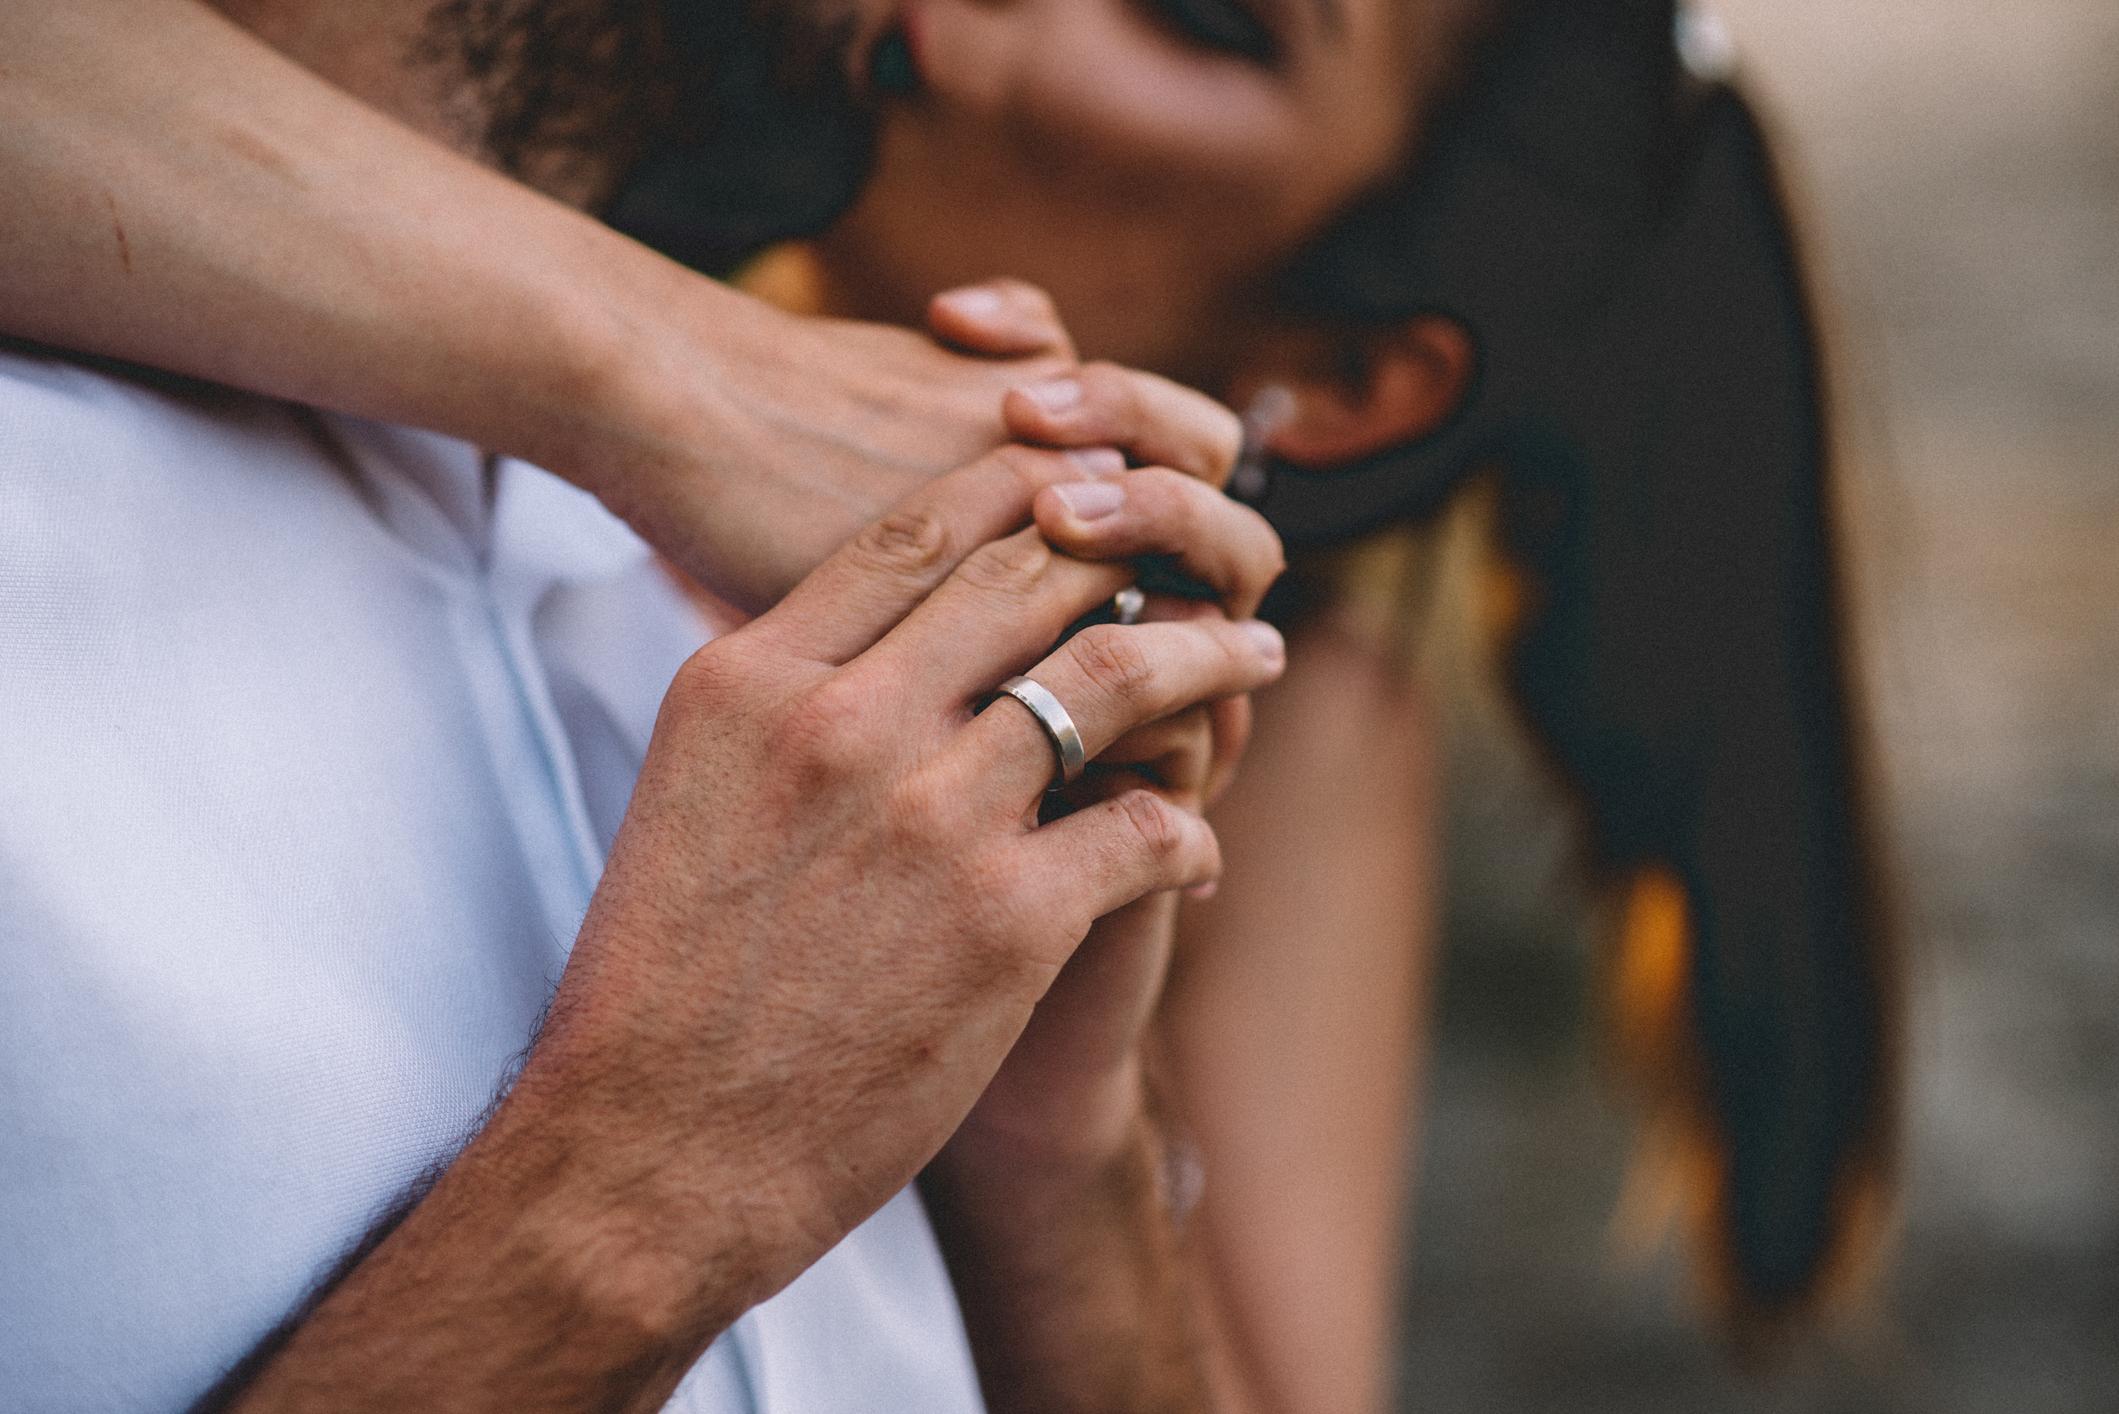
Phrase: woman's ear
pixel 1368 392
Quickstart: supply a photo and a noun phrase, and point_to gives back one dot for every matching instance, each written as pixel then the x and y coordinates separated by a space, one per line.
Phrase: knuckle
pixel 1273 561
pixel 713 677
pixel 1000 896
pixel 1112 386
pixel 1154 822
pixel 823 731
pixel 1212 454
pixel 908 542
pixel 1113 661
pixel 1012 567
pixel 704 674
pixel 1172 499
pixel 1211 439
pixel 1196 736
pixel 1030 468
pixel 1000 912
pixel 1031 298
pixel 929 810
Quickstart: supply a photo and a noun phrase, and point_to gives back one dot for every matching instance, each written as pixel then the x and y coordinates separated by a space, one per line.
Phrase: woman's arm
pixel 179 194
pixel 1295 1027
pixel 182 195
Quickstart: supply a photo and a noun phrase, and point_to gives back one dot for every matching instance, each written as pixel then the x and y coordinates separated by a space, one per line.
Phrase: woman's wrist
pixel 640 409
pixel 1073 1138
pixel 577 331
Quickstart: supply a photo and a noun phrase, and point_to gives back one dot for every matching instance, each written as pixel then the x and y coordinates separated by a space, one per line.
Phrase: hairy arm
pixel 545 1270
pixel 1294 1025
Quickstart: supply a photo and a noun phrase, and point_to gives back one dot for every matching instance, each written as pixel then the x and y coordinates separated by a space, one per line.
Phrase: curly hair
pixel 568 93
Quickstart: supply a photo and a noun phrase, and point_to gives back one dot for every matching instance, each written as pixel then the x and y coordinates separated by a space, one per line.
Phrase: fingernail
pixel 1097 461
pixel 1203 891
pixel 1271 646
pixel 1091 500
pixel 977 302
pixel 1056 395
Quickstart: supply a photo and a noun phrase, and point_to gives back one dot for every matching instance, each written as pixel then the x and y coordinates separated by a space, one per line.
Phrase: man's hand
pixel 746 443
pixel 878 866
pixel 827 918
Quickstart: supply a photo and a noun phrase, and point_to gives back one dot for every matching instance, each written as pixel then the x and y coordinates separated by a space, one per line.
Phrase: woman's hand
pixel 1063 1177
pixel 746 443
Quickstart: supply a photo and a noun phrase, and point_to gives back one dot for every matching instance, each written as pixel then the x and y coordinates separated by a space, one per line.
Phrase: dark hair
pixel 1651 405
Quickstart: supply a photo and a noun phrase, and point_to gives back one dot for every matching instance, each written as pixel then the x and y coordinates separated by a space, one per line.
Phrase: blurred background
pixel 1959 165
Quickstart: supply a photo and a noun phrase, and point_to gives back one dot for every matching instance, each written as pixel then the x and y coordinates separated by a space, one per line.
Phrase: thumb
pixel 999 319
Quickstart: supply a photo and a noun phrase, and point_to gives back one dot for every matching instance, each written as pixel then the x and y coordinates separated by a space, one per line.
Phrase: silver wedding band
pixel 1066 741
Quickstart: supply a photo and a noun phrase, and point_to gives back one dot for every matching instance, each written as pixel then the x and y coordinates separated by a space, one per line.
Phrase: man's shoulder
pixel 125 495
pixel 96 453
pixel 51 399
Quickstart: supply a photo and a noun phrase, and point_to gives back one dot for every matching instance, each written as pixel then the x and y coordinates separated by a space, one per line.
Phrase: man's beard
pixel 707 128
pixel 564 94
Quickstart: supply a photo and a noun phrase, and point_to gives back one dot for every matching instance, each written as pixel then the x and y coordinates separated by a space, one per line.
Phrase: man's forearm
pixel 545 1270
pixel 1076 1291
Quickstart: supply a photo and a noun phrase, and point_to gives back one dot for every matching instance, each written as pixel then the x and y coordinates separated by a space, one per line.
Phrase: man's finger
pixel 1000 319
pixel 1001 609
pixel 1174 756
pixel 1111 679
pixel 1231 734
pixel 1157 422
pixel 1191 757
pixel 1006 604
pixel 1099 859
pixel 1227 734
pixel 1227 547
pixel 872 581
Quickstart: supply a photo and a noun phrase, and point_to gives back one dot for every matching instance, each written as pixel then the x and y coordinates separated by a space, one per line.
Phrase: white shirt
pixel 313 733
